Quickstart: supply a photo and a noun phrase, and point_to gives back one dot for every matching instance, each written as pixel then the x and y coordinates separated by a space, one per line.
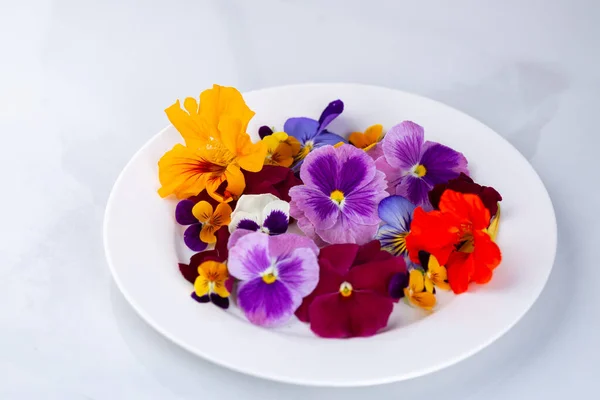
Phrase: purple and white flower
pixel 412 166
pixel 339 198
pixel 261 212
pixel 275 273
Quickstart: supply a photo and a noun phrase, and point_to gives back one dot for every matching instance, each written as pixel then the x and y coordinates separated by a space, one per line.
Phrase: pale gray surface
pixel 82 87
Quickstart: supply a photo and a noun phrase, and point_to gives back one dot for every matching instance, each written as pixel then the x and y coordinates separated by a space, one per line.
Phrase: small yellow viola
pixel 211 279
pixel 368 139
pixel 281 149
pixel 436 275
pixel 211 220
pixel 417 293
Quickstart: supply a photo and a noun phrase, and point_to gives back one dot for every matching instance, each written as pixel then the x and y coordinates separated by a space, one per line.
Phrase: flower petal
pixel 356 169
pixel 316 206
pixel 244 220
pixel 189 125
pixel 283 245
pixel 370 252
pixel 222 215
pixel 442 163
pixel 460 268
pixel 423 300
pixel 202 299
pixel 326 138
pixel 340 256
pixel 396 211
pixel 191 238
pixel 303 129
pixel 347 231
pixel 376 276
pixel 222 101
pixel 360 206
pixel 276 216
pixel 235 180
pixel 203 211
pixel 321 169
pixel 467 207
pixel 264 131
pixel 299 271
pixel 236 235
pixel 402 145
pixel 331 112
pixel 207 234
pixel 433 232
pixel 393 175
pixel 267 304
pixel 201 286
pixel 219 301
pixel 183 212
pixel 416 281
pixel 182 172
pixel 329 282
pixel 398 283
pixel 361 314
pixel 392 240
pixel 250 256
pixel 415 190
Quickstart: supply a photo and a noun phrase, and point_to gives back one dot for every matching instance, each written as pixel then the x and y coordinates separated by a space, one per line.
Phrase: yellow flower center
pixel 337 196
pixel 269 278
pixel 346 289
pixel 420 171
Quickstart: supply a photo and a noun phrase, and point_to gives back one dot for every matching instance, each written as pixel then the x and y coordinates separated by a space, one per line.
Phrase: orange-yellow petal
pixel 207 234
pixel 182 172
pixel 358 139
pixel 203 211
pixel 236 183
pixel 423 300
pixel 428 284
pixel 252 156
pixel 294 145
pixel 223 101
pixel 201 286
pixel 221 216
pixel 192 129
pixel 282 156
pixel 374 133
pixel 416 281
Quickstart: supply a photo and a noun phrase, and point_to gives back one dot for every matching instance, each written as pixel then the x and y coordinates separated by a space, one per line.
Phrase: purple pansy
pixel 413 167
pixel 275 273
pixel 339 198
pixel 313 134
pixel 261 212
pixel 184 216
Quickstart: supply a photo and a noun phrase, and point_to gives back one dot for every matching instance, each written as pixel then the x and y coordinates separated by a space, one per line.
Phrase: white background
pixel 83 85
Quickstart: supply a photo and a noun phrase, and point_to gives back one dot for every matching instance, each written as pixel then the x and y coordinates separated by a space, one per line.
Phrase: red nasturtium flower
pixel 457 236
pixel 351 298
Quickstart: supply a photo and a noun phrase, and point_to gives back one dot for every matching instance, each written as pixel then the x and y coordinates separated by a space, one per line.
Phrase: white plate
pixel 143 245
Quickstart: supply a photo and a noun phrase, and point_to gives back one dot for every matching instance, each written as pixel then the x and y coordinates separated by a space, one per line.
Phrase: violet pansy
pixel 261 212
pixel 413 166
pixel 339 198
pixel 313 134
pixel 275 273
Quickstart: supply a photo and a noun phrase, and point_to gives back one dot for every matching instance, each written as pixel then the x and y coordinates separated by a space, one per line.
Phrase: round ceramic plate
pixel 144 244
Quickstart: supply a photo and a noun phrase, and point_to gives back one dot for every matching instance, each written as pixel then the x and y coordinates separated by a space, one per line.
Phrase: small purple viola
pixel 313 134
pixel 275 274
pixel 412 166
pixel 261 212
pixel 339 198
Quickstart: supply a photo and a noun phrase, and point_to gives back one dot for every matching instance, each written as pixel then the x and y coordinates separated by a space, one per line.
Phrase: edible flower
pixel 261 212
pixel 313 134
pixel 210 284
pixel 271 179
pixel 396 212
pixel 417 292
pixel 217 146
pixel 211 219
pixel 281 149
pixel 464 184
pixel 275 273
pixel 413 167
pixel 351 298
pixel 369 141
pixel 220 253
pixel 339 198
pixel 457 237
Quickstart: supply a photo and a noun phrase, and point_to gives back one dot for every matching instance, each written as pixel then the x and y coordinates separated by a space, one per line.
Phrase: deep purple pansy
pixel 414 166
pixel 339 198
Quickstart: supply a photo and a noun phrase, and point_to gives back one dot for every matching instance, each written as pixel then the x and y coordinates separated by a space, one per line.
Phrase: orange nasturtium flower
pixel 457 236
pixel 367 140
pixel 281 149
pixel 216 149
pixel 211 220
